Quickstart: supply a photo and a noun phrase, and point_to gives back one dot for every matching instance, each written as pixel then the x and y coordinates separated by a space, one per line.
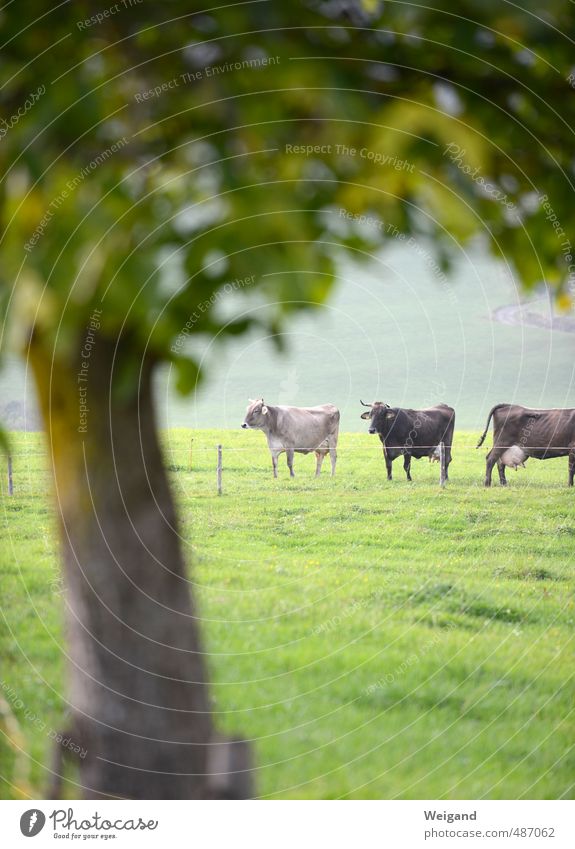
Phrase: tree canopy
pixel 153 152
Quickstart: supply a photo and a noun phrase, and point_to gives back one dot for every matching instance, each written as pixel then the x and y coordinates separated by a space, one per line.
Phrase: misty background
pixel 397 330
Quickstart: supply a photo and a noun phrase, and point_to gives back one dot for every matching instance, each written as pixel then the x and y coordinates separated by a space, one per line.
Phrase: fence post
pixel 441 464
pixel 10 481
pixel 219 469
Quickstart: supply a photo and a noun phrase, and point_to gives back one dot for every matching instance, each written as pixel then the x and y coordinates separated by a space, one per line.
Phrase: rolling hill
pixel 397 330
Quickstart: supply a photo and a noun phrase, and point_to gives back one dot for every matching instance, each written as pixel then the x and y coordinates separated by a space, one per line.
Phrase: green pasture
pixel 373 639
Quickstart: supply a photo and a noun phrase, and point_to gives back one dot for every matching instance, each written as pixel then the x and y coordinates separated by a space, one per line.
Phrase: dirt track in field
pixel 520 314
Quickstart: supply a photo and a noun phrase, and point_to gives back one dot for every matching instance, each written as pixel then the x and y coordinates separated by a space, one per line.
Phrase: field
pixel 373 639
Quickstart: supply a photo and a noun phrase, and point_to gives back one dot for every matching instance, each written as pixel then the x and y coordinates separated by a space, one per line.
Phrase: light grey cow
pixel 291 429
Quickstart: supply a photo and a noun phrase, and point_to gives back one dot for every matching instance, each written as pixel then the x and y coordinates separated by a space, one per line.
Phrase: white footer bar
pixel 290 824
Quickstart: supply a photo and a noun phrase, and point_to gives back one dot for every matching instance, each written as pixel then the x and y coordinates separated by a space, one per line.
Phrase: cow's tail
pixel 484 434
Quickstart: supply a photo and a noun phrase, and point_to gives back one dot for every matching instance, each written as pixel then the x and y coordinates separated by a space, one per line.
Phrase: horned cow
pixel 411 433
pixel 296 429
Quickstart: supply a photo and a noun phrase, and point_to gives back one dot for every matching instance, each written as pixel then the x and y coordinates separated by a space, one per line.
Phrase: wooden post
pixel 191 446
pixel 10 481
pixel 441 464
pixel 219 469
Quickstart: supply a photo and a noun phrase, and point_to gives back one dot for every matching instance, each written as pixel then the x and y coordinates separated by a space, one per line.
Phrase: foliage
pixel 144 201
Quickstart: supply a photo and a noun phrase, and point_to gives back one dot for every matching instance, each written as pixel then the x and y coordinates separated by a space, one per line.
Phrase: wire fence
pixel 187 455
pixel 344 450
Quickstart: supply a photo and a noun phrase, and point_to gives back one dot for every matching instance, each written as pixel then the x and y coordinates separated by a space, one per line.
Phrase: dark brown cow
pixel 522 432
pixel 412 433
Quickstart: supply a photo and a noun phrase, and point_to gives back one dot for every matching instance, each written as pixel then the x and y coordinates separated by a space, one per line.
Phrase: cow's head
pixel 377 415
pixel 256 414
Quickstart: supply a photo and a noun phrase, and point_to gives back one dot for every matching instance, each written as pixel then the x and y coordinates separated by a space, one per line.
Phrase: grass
pixel 373 639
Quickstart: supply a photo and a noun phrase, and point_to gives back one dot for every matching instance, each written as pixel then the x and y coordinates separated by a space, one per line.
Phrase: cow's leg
pixel 571 466
pixel 275 455
pixel 490 461
pixel 290 456
pixel 501 470
pixel 319 455
pixel 333 458
pixel 388 461
pixel 407 465
pixel 447 462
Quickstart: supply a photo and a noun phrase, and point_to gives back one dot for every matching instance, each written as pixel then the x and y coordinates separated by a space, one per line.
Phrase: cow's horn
pixel 364 404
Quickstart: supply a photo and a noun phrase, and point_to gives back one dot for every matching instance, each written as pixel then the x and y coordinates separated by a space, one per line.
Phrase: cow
pixel 413 433
pixel 522 432
pixel 301 429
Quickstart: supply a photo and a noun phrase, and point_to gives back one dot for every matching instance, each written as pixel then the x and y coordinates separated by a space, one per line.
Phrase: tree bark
pixel 137 682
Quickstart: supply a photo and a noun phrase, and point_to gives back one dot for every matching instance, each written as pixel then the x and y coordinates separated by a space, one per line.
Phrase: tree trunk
pixel 138 692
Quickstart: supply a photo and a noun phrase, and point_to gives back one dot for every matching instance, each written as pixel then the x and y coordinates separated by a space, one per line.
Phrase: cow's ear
pixel 390 415
pixel 366 415
pixel 265 410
